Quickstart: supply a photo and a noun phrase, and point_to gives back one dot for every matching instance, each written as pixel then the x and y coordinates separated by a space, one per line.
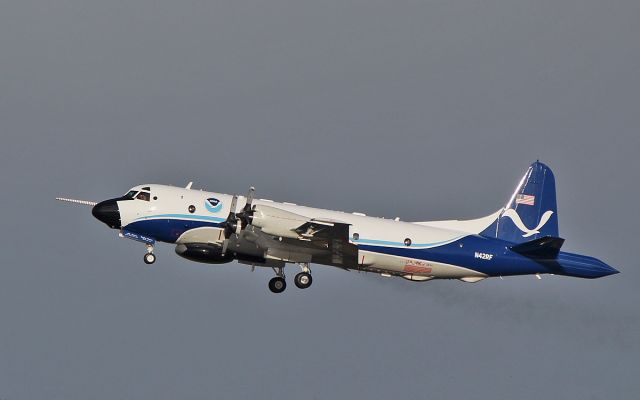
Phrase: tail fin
pixel 532 211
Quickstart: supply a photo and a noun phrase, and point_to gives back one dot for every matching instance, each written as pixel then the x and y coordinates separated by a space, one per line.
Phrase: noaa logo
pixel 513 215
pixel 213 205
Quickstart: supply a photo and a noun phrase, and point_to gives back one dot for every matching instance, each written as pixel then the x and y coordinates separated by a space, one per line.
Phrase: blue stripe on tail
pixel 532 211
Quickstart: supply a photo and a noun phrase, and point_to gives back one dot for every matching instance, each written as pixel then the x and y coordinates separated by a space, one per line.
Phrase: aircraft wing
pixel 293 238
pixel 332 238
pixel 315 229
pixel 276 235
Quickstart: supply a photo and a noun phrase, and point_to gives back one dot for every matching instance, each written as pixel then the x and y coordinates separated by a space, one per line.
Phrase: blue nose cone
pixel 108 212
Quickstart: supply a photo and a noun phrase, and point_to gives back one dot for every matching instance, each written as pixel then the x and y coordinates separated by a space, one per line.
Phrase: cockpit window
pixel 147 188
pixel 143 196
pixel 131 195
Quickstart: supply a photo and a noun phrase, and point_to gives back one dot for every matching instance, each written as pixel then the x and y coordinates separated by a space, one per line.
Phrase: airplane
pixel 521 238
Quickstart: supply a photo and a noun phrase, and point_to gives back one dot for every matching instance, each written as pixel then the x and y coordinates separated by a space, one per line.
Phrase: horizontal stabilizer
pixel 546 247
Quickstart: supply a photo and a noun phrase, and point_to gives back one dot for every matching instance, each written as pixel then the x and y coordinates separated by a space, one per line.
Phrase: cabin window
pixel 407 242
pixel 192 209
pixel 356 236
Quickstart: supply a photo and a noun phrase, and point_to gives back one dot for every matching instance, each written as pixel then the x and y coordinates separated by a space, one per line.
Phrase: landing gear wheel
pixel 149 258
pixel 277 284
pixel 303 280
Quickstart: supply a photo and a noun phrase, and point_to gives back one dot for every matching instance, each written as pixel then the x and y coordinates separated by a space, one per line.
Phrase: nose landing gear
pixel 149 258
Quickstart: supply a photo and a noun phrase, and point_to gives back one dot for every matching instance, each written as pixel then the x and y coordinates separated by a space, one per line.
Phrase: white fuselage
pixel 176 204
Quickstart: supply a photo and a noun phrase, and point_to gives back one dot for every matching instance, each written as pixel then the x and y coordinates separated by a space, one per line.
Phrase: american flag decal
pixel 525 199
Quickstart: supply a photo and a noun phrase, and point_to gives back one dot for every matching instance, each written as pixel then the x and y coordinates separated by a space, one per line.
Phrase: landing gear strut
pixel 149 258
pixel 303 280
pixel 278 284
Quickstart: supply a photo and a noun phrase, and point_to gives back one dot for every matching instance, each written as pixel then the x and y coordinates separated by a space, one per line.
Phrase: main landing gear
pixel 149 258
pixel 302 280
pixel 278 284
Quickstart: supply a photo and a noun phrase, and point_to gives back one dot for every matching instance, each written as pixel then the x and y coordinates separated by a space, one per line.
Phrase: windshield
pixel 131 195
pixel 143 196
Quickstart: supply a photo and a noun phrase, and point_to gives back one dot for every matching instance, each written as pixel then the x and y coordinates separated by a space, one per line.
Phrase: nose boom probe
pixel 83 202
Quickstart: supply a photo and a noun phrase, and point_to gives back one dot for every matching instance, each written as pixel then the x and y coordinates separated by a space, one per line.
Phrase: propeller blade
pixel 246 214
pixel 234 202
pixel 225 244
pixel 249 198
pixel 232 219
pixel 236 221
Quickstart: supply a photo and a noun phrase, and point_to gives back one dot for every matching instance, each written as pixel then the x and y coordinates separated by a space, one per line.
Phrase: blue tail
pixel 532 211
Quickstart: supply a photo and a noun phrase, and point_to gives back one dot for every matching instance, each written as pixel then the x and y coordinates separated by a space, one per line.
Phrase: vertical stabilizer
pixel 532 212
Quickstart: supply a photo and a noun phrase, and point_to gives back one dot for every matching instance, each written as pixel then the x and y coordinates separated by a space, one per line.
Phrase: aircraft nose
pixel 108 212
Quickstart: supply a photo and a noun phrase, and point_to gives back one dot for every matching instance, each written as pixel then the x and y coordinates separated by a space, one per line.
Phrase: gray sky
pixel 418 109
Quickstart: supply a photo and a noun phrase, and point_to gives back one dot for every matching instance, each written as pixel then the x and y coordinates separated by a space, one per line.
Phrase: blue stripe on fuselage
pixel 414 245
pixel 182 217
pixel 164 228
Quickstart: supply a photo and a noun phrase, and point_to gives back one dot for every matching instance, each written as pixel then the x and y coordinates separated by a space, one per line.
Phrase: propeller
pixel 247 211
pixel 236 222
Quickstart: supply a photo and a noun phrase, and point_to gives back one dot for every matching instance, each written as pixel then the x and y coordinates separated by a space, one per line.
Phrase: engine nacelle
pixel 204 253
pixel 277 222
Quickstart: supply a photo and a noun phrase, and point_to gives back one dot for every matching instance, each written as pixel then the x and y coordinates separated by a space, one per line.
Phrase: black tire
pixel 303 280
pixel 277 284
pixel 149 258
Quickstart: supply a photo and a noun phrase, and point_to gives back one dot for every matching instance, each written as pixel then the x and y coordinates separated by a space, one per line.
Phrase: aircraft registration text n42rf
pixel 521 238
